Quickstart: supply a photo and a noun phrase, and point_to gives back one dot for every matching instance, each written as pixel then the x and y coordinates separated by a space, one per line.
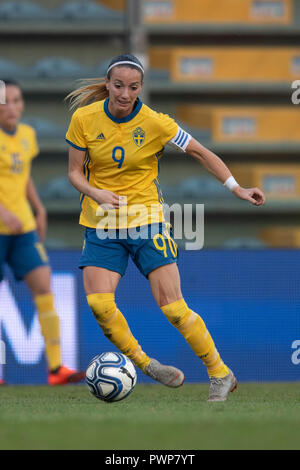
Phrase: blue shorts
pixel 22 253
pixel 149 246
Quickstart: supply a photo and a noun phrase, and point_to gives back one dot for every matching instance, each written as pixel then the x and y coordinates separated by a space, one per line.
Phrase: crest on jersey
pixel 138 136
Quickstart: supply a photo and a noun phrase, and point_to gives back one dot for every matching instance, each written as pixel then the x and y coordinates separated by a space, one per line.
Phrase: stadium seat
pixel 44 127
pixel 58 188
pixel 59 67
pixel 114 4
pixel 279 181
pixel 244 123
pixel 152 74
pixel 57 243
pixel 228 64
pixel 228 12
pixel 101 68
pixel 281 236
pixel 81 10
pixel 244 242
pixel 245 64
pixel 160 58
pixel 202 187
pixel 9 69
pixel 25 10
pixel 158 74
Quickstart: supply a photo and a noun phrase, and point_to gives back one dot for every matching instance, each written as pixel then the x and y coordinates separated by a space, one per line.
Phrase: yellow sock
pixel 193 328
pixel 49 322
pixel 115 327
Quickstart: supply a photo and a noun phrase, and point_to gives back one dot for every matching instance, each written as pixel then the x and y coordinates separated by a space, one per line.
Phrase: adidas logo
pixel 101 136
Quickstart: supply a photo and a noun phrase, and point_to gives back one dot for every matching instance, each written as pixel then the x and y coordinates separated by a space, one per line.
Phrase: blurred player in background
pixel 115 144
pixel 22 233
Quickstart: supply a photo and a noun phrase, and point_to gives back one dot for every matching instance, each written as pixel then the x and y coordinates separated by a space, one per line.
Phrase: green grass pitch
pixel 256 416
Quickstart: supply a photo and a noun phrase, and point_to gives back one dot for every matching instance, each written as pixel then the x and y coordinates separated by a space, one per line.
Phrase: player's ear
pixel 106 83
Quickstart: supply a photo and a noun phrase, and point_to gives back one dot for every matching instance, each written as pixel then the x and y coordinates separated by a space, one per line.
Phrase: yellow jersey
pixel 17 149
pixel 122 155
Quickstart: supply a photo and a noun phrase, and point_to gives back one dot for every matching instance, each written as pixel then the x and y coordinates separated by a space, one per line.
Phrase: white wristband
pixel 230 183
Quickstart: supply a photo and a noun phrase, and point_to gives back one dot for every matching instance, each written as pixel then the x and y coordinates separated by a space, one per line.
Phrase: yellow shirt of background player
pixel 16 153
pixel 123 157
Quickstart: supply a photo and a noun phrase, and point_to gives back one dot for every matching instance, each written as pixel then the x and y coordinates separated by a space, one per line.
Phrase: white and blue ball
pixel 111 376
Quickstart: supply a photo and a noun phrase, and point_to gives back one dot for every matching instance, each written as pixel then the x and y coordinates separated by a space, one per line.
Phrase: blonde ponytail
pixel 91 90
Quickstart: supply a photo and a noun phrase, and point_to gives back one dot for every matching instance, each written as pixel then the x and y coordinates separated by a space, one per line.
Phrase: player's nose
pixel 125 93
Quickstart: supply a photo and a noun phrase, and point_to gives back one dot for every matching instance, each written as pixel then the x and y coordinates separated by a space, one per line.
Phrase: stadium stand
pixel 114 4
pixel 10 69
pixel 44 127
pixel 281 236
pixel 228 11
pixel 60 67
pixel 69 11
pixel 55 67
pixel 278 181
pixel 58 188
pixel 200 187
pixel 244 124
pixel 100 69
pixel 16 10
pixel 236 64
pixel 238 243
pixel 85 10
pixel 231 91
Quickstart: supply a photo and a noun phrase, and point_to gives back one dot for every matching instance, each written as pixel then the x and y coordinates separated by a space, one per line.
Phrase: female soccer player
pixel 115 145
pixel 22 234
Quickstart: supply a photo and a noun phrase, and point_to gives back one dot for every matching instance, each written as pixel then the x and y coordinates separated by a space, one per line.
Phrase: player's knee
pixel 41 290
pixel 166 295
pixel 103 306
pixel 38 280
pixel 177 312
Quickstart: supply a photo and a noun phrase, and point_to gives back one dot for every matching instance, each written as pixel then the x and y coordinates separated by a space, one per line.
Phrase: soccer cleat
pixel 221 387
pixel 167 375
pixel 64 376
pixel 2 382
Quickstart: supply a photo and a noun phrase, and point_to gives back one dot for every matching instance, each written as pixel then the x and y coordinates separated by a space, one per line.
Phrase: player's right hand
pixel 253 195
pixel 109 200
pixel 12 222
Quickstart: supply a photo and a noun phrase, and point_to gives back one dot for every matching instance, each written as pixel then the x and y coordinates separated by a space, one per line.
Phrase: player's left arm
pixel 39 209
pixel 217 168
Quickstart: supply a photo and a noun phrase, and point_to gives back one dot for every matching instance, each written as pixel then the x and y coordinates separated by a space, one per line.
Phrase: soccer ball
pixel 111 376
